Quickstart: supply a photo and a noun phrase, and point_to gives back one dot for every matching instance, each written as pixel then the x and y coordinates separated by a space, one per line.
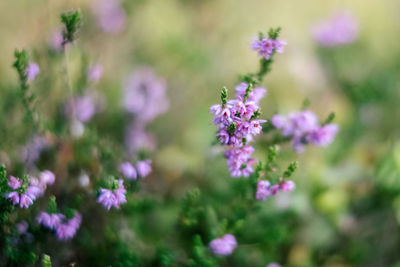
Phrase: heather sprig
pixel 72 22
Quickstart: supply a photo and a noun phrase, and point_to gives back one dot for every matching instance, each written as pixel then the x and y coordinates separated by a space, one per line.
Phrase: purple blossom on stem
pixel 127 169
pixel 95 72
pixel 263 190
pixel 14 182
pixel 47 177
pixel 22 227
pixel 32 70
pixel 51 221
pixel 223 246
pixel 266 46
pixel 110 15
pixel 273 264
pixel 112 198
pixel 143 167
pixel 68 229
pixel 303 128
pixel 82 108
pixel 340 28
pixel 145 95
pixel 21 196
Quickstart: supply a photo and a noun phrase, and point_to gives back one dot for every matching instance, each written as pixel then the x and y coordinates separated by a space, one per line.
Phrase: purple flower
pixel 143 168
pixel 223 137
pixel 273 264
pixel 340 28
pixel 324 135
pixel 137 138
pixel 25 200
pixel 223 246
pixel 288 186
pixel 50 221
pixel 112 198
pixel 95 72
pixel 127 169
pixel 14 182
pixel 303 128
pixel 47 177
pixel 14 197
pixel 263 190
pixel 145 95
pixel 81 108
pixel 56 40
pixel 110 15
pixel 267 46
pixel 31 152
pixel 68 229
pixel 32 70
pixel 22 227
pixel 274 189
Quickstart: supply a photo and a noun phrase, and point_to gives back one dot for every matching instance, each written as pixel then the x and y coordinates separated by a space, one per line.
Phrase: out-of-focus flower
pixel 340 28
pixel 273 264
pixel 143 168
pixel 95 72
pixel 82 108
pixel 84 179
pixel 22 227
pixel 137 138
pixel 31 152
pixel 14 182
pixel 263 190
pixel 47 177
pixel 223 246
pixel 266 46
pixel 51 221
pixel 32 70
pixel 112 198
pixel 288 186
pixel 56 40
pixel 303 128
pixel 68 229
pixel 127 169
pixel 110 15
pixel 145 95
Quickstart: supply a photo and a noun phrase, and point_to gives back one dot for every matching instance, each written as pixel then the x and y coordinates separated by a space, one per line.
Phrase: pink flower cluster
pixel 264 188
pixel 25 195
pixel 32 70
pixel 111 16
pixel 267 46
pixel 67 229
pixel 51 221
pixel 223 246
pixel 303 128
pixel 143 169
pixel 113 198
pixel 341 28
pixel 237 127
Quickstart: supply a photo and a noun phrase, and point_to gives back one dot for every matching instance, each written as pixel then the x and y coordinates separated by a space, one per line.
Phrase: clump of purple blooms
pixel 143 169
pixel 340 28
pixel 265 189
pixel 114 197
pixel 32 70
pixel 95 72
pixel 303 128
pixel 68 228
pixel 237 123
pixel 51 221
pixel 224 245
pixel 266 46
pixel 110 15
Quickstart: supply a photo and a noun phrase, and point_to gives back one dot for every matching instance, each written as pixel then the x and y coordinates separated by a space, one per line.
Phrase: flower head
pixel 32 70
pixel 223 246
pixel 143 168
pixel 113 198
pixel 68 229
pixel 127 169
pixel 51 221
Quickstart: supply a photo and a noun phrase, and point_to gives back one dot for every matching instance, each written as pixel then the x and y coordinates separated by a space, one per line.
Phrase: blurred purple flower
pixel 112 198
pixel 263 190
pixel 14 182
pixel 273 264
pixel 267 46
pixel 145 95
pixel 95 72
pixel 143 168
pixel 47 177
pixel 324 135
pixel 56 40
pixel 127 169
pixel 50 221
pixel 110 15
pixel 137 138
pixel 22 227
pixel 32 70
pixel 68 229
pixel 340 28
pixel 223 246
pixel 25 197
pixel 31 152
pixel 288 186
